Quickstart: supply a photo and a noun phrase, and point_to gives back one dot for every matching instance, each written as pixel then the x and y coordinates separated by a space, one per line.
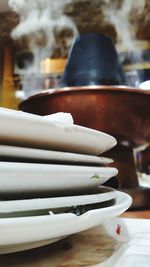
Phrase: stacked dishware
pixel 51 179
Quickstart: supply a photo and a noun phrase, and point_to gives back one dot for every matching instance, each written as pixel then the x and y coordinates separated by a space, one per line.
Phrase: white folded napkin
pixel 60 117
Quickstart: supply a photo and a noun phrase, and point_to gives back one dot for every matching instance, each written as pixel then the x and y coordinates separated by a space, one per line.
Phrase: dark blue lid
pixel 93 60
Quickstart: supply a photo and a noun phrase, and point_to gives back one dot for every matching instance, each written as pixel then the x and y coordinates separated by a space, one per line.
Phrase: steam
pixel 40 20
pixel 122 16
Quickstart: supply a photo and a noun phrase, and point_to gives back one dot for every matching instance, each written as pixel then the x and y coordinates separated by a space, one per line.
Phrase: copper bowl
pixel 121 111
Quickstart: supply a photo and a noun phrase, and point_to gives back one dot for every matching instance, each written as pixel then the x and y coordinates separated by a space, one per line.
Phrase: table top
pixel 83 249
pixel 142 214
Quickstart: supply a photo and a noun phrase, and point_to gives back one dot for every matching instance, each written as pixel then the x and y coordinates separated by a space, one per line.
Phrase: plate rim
pixel 66 224
pixel 6 206
pixel 92 142
pixel 36 153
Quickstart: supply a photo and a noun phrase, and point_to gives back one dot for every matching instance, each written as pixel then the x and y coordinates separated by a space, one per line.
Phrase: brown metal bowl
pixel 120 111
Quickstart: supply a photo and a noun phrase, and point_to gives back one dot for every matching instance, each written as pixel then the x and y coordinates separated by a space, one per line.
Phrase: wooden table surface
pixel 143 214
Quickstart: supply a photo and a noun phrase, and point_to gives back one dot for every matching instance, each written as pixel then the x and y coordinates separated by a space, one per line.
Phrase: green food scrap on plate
pixel 95 176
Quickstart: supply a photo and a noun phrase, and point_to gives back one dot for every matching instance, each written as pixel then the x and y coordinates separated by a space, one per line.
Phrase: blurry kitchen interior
pixel 34 62
pixel 126 22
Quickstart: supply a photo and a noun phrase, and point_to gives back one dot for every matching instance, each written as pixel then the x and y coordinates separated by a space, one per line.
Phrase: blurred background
pixel 33 52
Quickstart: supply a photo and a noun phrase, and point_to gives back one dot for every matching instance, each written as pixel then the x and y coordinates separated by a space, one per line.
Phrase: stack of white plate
pixel 51 179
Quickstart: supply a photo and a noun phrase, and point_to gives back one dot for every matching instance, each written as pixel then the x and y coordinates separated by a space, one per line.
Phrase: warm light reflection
pixel 49 65
pixel 46 84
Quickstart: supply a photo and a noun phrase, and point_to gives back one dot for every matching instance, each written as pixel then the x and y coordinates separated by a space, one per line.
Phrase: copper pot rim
pixel 106 88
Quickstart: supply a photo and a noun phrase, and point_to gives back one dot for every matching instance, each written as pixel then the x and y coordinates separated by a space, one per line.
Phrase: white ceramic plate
pixel 23 230
pixel 20 128
pixel 17 177
pixel 103 194
pixel 49 155
pixel 96 237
